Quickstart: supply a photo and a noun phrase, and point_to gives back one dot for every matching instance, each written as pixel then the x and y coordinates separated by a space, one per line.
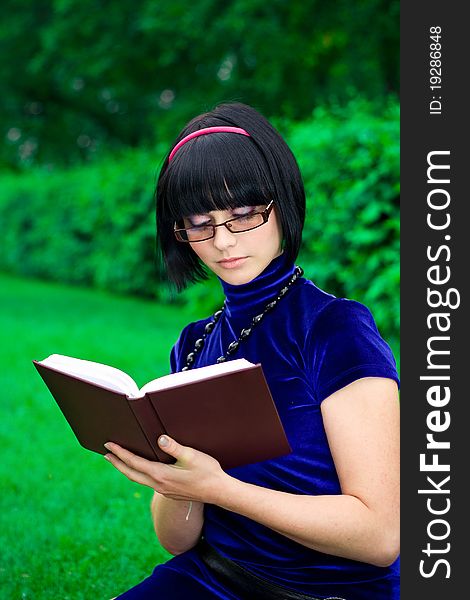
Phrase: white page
pixel 104 375
pixel 117 380
pixel 195 374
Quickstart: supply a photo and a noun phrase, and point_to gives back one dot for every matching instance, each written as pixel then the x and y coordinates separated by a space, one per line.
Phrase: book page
pixel 94 372
pixel 183 377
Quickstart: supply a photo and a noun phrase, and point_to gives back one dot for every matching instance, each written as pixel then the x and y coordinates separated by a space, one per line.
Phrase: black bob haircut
pixel 221 171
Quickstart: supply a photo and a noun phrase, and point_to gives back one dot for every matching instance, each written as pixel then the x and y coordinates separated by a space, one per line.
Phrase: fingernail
pixel 107 446
pixel 163 440
pixel 106 456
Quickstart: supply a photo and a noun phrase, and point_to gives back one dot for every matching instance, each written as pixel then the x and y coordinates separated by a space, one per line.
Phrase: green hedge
pixel 350 163
pixel 95 225
pixel 90 225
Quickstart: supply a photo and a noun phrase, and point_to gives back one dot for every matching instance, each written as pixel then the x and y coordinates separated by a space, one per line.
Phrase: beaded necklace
pixel 245 333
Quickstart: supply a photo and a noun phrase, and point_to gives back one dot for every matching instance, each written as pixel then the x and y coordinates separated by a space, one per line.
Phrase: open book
pixel 225 410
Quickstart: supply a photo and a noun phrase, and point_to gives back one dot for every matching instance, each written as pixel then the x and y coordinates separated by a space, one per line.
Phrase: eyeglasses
pixel 200 233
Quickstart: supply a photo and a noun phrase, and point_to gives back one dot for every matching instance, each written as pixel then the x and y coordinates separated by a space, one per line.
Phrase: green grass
pixel 71 526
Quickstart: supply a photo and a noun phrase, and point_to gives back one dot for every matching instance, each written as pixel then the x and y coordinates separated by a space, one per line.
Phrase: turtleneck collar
pixel 252 297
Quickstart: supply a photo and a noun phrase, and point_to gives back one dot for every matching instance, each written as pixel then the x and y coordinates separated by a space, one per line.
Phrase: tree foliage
pixel 83 77
pixel 95 224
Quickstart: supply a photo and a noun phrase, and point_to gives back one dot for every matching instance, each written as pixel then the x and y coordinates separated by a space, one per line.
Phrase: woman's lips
pixel 232 263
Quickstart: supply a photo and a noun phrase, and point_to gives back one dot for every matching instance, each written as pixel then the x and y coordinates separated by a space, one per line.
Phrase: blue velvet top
pixel 310 345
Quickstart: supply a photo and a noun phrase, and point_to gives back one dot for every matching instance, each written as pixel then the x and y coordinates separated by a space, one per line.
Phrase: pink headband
pixel 204 132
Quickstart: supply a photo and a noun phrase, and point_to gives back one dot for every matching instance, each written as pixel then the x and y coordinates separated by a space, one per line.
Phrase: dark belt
pixel 242 582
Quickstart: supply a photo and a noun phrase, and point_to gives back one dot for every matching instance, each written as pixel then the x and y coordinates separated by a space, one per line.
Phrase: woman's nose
pixel 224 238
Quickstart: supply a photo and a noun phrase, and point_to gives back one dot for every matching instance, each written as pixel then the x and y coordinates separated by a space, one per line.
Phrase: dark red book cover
pixel 230 416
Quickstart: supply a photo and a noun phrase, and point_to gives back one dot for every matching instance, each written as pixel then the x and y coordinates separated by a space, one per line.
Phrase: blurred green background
pixel 92 95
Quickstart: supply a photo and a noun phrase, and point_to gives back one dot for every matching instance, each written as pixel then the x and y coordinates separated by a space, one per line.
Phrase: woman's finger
pixel 130 473
pixel 142 478
pixel 131 460
pixel 173 448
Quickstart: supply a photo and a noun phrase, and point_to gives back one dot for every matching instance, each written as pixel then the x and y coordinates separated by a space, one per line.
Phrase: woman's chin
pixel 237 276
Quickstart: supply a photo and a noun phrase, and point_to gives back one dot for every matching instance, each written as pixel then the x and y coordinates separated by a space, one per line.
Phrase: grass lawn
pixel 71 527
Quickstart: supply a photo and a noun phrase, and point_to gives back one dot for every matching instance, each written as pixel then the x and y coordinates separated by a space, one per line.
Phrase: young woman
pixel 323 521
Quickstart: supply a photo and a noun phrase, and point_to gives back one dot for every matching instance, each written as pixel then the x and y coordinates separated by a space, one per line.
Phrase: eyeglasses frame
pixel 265 213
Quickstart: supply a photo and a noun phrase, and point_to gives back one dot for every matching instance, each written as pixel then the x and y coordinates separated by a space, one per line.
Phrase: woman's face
pixel 254 249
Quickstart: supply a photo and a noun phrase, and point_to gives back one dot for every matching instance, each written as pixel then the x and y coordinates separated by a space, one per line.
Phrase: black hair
pixel 223 171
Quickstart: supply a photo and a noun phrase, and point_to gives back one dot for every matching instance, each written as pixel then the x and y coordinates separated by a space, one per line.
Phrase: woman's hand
pixel 194 476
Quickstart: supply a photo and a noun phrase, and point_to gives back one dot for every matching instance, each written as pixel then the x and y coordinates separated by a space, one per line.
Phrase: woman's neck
pixel 249 298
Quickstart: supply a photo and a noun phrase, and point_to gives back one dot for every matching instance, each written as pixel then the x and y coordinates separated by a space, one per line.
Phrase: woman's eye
pixel 245 212
pixel 196 222
pixel 246 217
pixel 200 224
